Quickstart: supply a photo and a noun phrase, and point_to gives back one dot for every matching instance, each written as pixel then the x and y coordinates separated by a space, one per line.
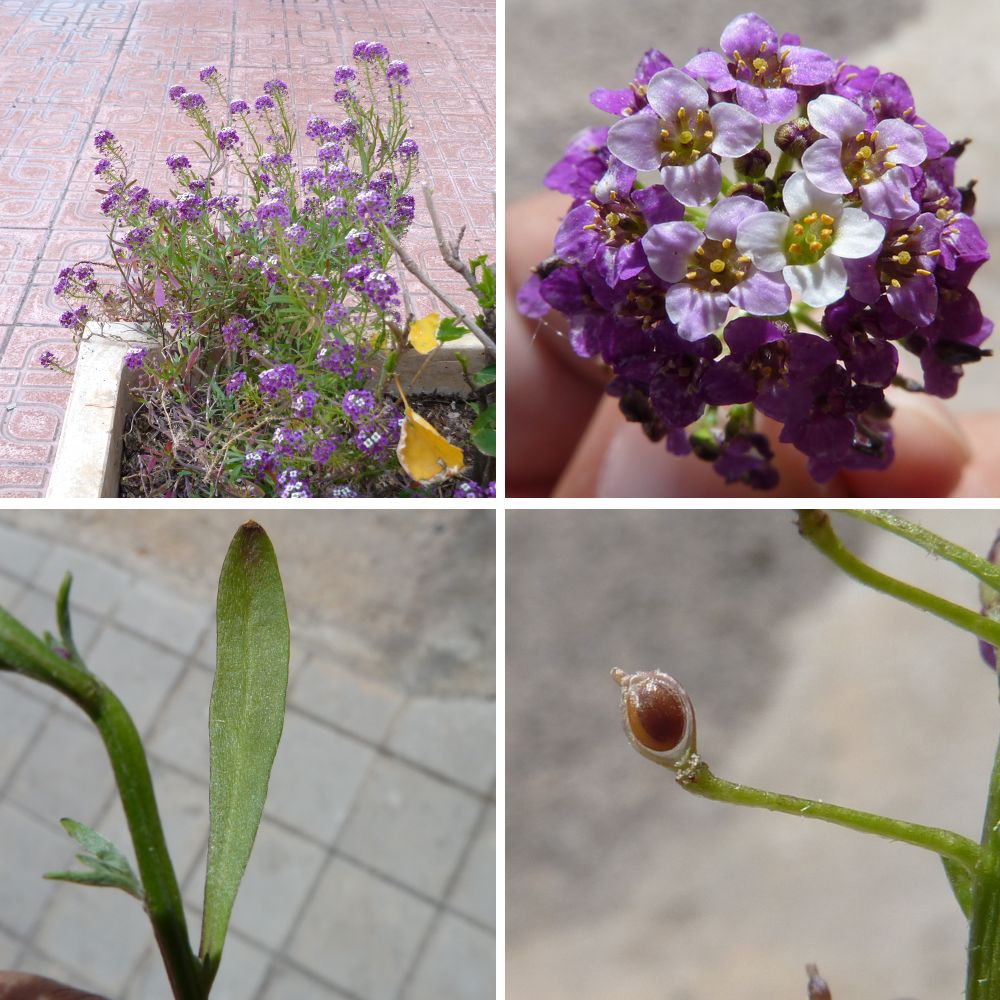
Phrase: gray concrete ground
pixel 619 884
pixel 558 51
pixel 373 875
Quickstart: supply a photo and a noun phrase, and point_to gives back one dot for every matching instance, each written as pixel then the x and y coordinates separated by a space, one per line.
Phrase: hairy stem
pixel 24 653
pixel 953 846
pixel 983 975
pixel 815 526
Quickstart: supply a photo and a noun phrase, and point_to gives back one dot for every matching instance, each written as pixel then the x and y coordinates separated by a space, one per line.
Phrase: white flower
pixel 808 244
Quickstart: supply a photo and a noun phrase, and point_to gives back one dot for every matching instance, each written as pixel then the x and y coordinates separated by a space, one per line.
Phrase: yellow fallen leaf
pixel 423 333
pixel 423 452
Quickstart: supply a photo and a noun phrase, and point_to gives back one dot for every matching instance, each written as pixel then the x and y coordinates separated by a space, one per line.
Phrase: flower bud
pixel 753 164
pixel 818 990
pixel 658 716
pixel 795 137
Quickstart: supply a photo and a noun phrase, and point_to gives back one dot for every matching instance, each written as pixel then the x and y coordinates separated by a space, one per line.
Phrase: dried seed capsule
pixel 818 990
pixel 658 715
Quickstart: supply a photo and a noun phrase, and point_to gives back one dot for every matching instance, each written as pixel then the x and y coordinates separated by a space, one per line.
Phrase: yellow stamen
pixel 746 260
pixel 794 249
pixel 700 251
pixel 922 271
pixel 903 257
pixel 715 283
pixel 798 229
pixel 691 275
pixel 864 153
pixel 894 283
pixel 933 253
pixel 827 220
pixel 612 219
pixel 760 66
pixel 700 117
pixel 826 233
pixel 727 243
pixel 685 138
pixel 860 137
pixel 709 134
pixel 811 218
pixel 815 246
pixel 718 266
pixel 888 164
pixel 889 149
pixel 682 113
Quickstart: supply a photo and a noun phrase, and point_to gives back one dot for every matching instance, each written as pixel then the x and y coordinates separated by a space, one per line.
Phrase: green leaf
pixel 961 885
pixel 109 868
pixel 485 376
pixel 65 623
pixel 450 329
pixel 483 431
pixel 245 721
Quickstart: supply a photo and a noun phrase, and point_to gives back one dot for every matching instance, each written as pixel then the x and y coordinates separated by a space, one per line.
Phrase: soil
pixel 144 435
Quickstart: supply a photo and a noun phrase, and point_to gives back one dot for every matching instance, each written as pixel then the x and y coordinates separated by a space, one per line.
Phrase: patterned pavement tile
pixel 68 69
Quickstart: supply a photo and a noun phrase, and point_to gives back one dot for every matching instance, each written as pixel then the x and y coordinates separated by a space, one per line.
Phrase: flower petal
pixel 671 89
pixel 808 66
pixel 915 300
pixel 910 146
pixel 696 184
pixel 801 197
pixel 762 294
pixel 836 117
pixel 737 131
pixel 636 141
pixel 818 284
pixel 668 247
pixel 725 219
pixel 822 165
pixel 858 235
pixel 769 104
pixel 696 313
pixel 889 195
pixel 747 34
pixel 762 239
pixel 714 69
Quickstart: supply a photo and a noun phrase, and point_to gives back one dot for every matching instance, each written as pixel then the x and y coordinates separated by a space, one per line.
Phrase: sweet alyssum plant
pixel 266 280
pixel 762 229
pixel 659 722
pixel 245 722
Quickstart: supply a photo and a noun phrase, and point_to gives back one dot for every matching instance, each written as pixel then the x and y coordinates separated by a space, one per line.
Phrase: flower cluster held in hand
pixel 735 197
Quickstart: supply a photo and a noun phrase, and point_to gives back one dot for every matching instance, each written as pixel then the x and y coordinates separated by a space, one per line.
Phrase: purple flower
pixel 228 138
pixel 584 162
pixel 989 601
pixel 273 380
pixel 329 152
pixel 258 461
pixel 407 149
pixel 239 108
pixel 287 441
pixel 707 272
pixel 761 70
pixel 360 241
pixel 371 206
pixel 275 87
pixel 295 489
pixel 191 102
pixel 101 165
pixel 136 238
pixel 323 450
pixel 234 383
pixel 296 233
pixel 336 313
pixel 273 208
pixel 343 492
pixel 263 104
pixel 359 50
pixel 176 92
pixel 631 99
pixel 397 72
pixel 890 97
pixel 75 318
pixel 344 74
pixel 808 244
pixel 381 289
pixel 103 139
pixel 236 331
pixel 47 359
pixel 207 73
pixel 348 129
pixel 850 158
pixel 358 403
pixel 304 403
pixel 177 161
pixel 135 357
pixel 682 137
pixel 337 356
pixel 370 51
pixel 342 96
pixel 318 128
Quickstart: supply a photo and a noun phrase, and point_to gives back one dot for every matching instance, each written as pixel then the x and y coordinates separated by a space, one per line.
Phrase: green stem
pixel 953 846
pixel 803 315
pixel 979 567
pixel 24 653
pixel 785 163
pixel 983 976
pixel 815 526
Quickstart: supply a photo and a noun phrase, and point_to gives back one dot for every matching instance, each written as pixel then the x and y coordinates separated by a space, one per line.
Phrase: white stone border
pixel 88 457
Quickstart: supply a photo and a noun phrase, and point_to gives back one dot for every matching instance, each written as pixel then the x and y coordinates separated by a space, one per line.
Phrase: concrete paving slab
pixel 458 964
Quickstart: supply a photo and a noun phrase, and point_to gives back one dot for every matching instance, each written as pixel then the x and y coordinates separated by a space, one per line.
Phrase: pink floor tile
pixel 69 69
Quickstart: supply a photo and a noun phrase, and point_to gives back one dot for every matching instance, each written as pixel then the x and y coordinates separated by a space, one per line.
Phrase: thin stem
pixel 983 976
pixel 815 526
pixel 804 317
pixel 701 781
pixel 24 653
pixel 979 567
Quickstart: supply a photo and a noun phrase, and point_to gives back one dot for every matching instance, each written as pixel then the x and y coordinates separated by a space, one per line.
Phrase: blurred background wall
pixel 558 51
pixel 618 883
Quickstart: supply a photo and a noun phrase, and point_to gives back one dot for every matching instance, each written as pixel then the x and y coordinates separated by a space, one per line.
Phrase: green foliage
pixel 106 865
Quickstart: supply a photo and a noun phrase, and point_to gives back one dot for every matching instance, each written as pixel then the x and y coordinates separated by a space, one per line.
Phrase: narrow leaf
pixel 961 885
pixel 245 720
pixel 108 867
pixel 64 621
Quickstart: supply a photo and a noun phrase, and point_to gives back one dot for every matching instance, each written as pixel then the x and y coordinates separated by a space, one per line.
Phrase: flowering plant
pixel 732 197
pixel 659 721
pixel 276 320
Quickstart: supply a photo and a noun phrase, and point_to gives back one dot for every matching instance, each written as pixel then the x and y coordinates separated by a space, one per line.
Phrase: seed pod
pixel 658 716
pixel 818 990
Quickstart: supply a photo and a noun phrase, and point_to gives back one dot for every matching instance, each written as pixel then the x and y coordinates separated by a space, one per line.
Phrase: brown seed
pixel 657 714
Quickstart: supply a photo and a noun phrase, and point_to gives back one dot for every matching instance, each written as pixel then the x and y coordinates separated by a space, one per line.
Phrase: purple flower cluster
pixel 273 380
pixel 228 138
pixel 692 266
pixel 135 357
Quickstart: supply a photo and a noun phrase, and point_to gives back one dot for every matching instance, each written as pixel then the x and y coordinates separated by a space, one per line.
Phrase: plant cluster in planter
pixel 266 284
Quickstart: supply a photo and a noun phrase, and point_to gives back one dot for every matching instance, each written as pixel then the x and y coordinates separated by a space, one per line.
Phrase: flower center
pixel 862 161
pixel 716 266
pixel 766 69
pixel 769 363
pixel 684 139
pixel 617 221
pixel 901 260
pixel 809 238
